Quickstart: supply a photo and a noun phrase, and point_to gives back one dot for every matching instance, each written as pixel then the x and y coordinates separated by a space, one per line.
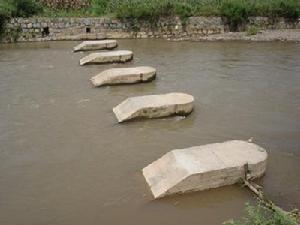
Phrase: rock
pixel 120 56
pixel 154 106
pixel 204 167
pixel 124 76
pixel 95 45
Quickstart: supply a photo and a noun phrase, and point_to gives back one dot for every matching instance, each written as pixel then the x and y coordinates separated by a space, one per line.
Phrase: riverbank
pixel 170 28
pixel 169 19
pixel 286 35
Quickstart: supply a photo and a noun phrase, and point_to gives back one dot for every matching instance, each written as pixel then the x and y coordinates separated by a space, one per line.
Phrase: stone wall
pixel 274 24
pixel 44 29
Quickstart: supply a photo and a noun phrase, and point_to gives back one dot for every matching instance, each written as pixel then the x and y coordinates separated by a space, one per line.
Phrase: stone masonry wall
pixel 45 29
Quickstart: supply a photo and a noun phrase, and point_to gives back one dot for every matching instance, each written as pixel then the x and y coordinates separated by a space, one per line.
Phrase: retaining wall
pixel 45 29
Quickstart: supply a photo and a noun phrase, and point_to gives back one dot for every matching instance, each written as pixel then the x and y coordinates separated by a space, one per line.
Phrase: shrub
pixel 19 8
pixel 99 7
pixel 183 9
pixel 260 215
pixel 236 11
pixel 6 9
pixel 25 8
pixel 16 8
pixel 287 8
pixel 278 8
pixel 252 30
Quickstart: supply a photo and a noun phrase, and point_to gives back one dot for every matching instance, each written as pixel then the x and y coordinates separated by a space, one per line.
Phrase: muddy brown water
pixel 65 160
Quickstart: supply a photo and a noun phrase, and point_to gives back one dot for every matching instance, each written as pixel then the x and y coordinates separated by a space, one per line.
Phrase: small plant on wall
pixel 252 30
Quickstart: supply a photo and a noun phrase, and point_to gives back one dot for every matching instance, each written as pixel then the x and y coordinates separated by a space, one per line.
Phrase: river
pixel 64 159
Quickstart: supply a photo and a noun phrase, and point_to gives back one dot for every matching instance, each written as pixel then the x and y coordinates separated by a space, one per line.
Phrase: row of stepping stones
pixel 149 106
pixel 182 170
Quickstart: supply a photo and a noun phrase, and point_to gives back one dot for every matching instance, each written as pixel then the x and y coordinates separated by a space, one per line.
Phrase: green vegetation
pixel 152 9
pixel 260 215
pixel 48 12
pixel 235 11
pixel 99 7
pixel 19 8
pixel 4 15
pixel 228 8
pixel 252 30
pixel 16 8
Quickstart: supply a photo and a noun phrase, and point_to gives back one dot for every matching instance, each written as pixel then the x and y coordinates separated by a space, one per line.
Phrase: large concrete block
pixel 204 167
pixel 120 56
pixel 124 76
pixel 95 45
pixel 154 106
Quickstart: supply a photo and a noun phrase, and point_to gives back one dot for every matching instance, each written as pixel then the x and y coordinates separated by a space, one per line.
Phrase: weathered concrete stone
pixel 96 45
pixel 154 106
pixel 204 167
pixel 124 76
pixel 120 56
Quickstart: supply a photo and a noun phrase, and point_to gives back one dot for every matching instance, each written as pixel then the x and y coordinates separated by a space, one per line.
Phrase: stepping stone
pixel 120 56
pixel 95 45
pixel 124 76
pixel 204 167
pixel 154 106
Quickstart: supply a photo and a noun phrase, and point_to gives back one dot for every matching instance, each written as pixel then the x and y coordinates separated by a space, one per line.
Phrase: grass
pixel 48 12
pixel 252 30
pixel 5 13
pixel 16 8
pixel 260 215
pixel 236 8
pixel 236 11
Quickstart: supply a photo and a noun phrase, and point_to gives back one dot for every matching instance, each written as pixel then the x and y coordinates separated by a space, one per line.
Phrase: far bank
pixel 170 28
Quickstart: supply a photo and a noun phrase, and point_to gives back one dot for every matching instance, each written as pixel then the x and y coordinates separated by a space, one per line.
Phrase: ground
pixel 292 35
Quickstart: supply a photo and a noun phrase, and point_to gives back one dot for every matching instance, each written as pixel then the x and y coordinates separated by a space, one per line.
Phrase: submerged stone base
pixel 116 76
pixel 119 56
pixel 95 45
pixel 154 106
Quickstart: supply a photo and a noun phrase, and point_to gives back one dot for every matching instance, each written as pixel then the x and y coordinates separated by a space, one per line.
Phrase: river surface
pixel 64 159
